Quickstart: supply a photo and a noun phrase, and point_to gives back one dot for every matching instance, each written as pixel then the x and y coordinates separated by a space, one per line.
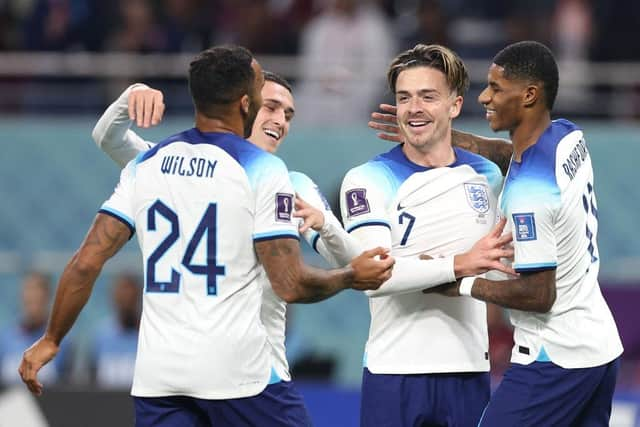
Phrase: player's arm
pixel 535 260
pixel 112 132
pixel 105 237
pixel 416 274
pixel 497 150
pixel 364 210
pixel 529 292
pixel 325 234
pixel 294 281
pixel 534 292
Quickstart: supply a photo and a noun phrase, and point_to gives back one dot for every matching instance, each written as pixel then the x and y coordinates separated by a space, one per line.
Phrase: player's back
pixel 198 203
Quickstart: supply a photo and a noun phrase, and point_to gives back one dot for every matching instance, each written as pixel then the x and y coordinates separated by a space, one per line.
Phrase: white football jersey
pixel 549 200
pixel 198 202
pixel 113 136
pixel 416 210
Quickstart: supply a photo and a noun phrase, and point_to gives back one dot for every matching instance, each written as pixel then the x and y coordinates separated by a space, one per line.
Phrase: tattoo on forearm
pixel 106 236
pixel 498 151
pixel 294 279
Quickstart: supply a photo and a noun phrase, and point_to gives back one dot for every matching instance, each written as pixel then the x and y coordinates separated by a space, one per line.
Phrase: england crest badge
pixel 477 197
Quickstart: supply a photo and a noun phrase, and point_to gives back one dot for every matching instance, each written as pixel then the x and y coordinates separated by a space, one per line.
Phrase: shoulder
pixel 382 168
pixel 373 174
pixel 541 159
pixel 299 179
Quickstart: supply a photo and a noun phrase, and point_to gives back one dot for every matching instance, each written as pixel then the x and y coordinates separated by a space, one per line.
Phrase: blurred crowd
pixel 594 29
pixel 342 47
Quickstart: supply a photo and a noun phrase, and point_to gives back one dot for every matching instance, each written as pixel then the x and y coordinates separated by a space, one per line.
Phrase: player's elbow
pixel 290 296
pixel 545 302
pixel 286 291
pixel 97 134
pixel 84 265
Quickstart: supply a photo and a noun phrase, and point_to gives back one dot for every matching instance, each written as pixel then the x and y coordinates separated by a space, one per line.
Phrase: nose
pixel 278 117
pixel 415 105
pixel 484 97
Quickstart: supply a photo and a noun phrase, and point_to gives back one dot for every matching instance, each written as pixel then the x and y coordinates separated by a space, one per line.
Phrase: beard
pixel 250 118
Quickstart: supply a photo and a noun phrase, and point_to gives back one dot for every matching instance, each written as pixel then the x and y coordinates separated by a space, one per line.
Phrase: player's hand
pixel 33 359
pixel 486 253
pixel 369 272
pixel 146 106
pixel 311 217
pixel 386 123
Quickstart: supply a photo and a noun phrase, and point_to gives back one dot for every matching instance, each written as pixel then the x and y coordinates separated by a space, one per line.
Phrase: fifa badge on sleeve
pixel 357 203
pixel 284 206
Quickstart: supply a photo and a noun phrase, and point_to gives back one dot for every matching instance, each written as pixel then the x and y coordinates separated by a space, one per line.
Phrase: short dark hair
pixel 270 76
pixel 433 56
pixel 531 60
pixel 220 75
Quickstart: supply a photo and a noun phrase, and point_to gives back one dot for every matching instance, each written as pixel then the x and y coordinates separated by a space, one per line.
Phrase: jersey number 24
pixel 207 225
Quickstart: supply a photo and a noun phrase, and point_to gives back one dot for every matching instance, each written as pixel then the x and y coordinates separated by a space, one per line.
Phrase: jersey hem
pixel 141 392
pixel 570 363
pixel 445 369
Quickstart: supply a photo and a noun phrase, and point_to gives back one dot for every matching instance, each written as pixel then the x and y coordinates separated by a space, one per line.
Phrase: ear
pixel 531 95
pixel 456 107
pixel 245 102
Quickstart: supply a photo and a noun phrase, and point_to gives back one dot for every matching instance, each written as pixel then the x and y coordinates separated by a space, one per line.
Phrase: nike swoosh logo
pixel 400 207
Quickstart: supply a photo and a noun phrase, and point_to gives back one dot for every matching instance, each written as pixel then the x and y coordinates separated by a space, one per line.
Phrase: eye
pixel 402 98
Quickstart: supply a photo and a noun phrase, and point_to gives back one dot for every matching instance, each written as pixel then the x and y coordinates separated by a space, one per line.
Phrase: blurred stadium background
pixel 63 61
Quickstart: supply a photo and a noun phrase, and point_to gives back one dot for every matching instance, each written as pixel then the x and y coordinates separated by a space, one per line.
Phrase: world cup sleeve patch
pixel 284 205
pixel 525 226
pixel 357 203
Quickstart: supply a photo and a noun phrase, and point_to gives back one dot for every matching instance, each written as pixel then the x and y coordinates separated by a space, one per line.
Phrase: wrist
pixel 50 338
pixel 466 284
pixel 349 277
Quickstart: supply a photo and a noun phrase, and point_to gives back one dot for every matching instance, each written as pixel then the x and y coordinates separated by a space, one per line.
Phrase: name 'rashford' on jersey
pixel 550 203
pixel 198 201
pixel 434 211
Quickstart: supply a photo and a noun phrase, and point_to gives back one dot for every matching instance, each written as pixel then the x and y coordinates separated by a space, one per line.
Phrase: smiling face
pixel 274 118
pixel 426 106
pixel 503 99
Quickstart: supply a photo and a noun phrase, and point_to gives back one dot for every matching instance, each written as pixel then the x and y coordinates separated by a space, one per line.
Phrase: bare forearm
pixel 73 293
pixel 528 293
pixel 294 281
pixel 317 284
pixel 106 236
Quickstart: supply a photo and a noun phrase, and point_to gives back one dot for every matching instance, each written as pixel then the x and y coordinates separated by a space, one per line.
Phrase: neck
pixel 224 124
pixel 528 132
pixel 431 156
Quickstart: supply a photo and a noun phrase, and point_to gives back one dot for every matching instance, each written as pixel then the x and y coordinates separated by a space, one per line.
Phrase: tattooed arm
pixel 534 292
pixel 497 150
pixel 106 236
pixel 294 281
